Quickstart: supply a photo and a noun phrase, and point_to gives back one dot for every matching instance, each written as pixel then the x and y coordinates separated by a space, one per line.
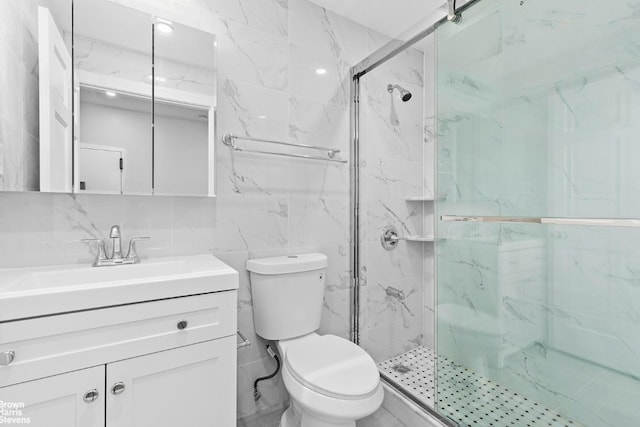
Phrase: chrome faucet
pixel 116 254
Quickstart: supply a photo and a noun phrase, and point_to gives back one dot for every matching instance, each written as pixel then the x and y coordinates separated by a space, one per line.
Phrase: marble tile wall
pixel 268 52
pixel 392 156
pixel 19 127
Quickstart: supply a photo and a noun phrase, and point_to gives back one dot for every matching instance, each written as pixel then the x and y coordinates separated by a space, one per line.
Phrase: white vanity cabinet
pixel 186 386
pixel 161 363
pixel 57 401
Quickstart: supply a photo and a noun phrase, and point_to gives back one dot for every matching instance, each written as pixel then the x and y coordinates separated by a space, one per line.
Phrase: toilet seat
pixel 333 366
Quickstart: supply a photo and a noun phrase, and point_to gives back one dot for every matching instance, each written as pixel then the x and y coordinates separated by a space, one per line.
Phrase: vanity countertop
pixel 42 291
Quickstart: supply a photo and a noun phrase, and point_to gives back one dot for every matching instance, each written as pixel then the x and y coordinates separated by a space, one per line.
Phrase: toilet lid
pixel 331 365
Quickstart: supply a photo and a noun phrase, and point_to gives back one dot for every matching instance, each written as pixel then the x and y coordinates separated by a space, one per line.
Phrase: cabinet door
pixel 57 401
pixel 191 386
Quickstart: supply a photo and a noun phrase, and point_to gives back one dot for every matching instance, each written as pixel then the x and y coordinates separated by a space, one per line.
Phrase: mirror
pixel 132 113
pixel 35 75
pixel 185 90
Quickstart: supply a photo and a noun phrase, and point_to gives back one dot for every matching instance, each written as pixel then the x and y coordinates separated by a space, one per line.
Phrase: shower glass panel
pixel 396 190
pixel 539 116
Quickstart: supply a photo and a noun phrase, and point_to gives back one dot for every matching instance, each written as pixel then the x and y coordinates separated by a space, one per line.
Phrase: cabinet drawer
pixel 56 344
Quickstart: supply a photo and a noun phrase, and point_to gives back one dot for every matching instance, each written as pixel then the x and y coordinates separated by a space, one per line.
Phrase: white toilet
pixel 331 381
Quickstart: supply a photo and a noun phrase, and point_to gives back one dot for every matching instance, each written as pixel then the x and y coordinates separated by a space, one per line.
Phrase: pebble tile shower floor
pixel 464 396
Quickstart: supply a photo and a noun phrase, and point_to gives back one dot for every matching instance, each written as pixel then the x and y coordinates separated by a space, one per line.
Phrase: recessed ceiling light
pixel 321 71
pixel 110 94
pixel 262 117
pixel 164 26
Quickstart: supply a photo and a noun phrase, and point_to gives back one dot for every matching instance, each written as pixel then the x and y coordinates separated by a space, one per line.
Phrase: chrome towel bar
pixel 229 139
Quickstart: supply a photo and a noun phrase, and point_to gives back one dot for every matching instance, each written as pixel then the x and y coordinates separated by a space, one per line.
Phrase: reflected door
pixel 101 169
pixel 55 106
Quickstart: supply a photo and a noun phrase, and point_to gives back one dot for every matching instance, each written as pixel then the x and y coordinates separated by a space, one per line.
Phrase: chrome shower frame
pixel 373 61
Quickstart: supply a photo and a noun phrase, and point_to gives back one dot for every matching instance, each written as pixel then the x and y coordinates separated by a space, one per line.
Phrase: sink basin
pixel 42 291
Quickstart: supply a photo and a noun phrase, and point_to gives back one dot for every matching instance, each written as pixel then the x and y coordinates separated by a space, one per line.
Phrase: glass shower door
pixel 538 266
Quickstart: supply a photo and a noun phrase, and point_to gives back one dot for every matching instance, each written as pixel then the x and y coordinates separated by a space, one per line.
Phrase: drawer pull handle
pixel 6 357
pixel 182 324
pixel 91 396
pixel 118 388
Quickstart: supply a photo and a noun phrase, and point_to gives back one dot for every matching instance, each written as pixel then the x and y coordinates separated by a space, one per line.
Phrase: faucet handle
pixel 102 253
pixel 132 254
pixel 115 232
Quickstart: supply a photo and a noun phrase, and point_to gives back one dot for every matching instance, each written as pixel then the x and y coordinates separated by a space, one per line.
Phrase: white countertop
pixel 42 291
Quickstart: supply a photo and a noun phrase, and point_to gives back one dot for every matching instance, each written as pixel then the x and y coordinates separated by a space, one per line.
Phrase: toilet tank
pixel 287 293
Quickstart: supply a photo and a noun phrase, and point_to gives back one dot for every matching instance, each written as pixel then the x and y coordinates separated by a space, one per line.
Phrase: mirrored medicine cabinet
pixel 103 98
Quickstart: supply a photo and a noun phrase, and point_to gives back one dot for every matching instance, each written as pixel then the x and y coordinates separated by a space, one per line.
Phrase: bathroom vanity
pixel 150 344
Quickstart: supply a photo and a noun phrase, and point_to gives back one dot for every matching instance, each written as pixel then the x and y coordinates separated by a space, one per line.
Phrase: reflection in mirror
pixel 181 148
pixel 36 101
pixel 114 147
pixel 126 143
pixel 184 65
pixel 113 137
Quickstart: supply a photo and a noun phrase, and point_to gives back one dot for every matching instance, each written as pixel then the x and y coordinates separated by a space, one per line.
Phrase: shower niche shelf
pixel 420 199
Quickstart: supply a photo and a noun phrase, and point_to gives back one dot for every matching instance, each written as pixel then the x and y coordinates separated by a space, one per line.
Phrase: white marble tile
pixel 11 31
pixel 383 266
pixel 314 27
pixel 270 16
pixel 318 221
pixel 252 56
pixel 12 80
pixel 388 182
pixel 321 124
pixel 250 223
pixel 331 87
pixel 273 390
pixel 389 340
pixel 12 156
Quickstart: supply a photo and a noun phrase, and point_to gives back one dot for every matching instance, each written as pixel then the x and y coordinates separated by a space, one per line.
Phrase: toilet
pixel 331 381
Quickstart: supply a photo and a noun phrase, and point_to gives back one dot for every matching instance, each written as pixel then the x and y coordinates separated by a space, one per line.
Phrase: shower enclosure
pixel 497 213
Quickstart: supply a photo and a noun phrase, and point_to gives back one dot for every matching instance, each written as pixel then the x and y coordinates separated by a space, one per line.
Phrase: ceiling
pixel 386 16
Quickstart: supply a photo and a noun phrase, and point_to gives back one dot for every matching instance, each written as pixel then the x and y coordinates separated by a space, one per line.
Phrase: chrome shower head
pixel 405 95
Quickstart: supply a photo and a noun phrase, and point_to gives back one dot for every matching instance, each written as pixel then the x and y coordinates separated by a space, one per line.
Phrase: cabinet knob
pixel 91 396
pixel 182 324
pixel 118 388
pixel 6 357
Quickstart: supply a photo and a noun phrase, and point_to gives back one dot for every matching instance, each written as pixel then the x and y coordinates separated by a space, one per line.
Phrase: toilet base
pixel 294 417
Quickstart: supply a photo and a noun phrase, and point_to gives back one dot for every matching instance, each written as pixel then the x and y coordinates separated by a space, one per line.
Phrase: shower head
pixel 405 95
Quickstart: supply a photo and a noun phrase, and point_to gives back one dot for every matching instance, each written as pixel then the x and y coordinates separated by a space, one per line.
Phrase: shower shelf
pixel 420 199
